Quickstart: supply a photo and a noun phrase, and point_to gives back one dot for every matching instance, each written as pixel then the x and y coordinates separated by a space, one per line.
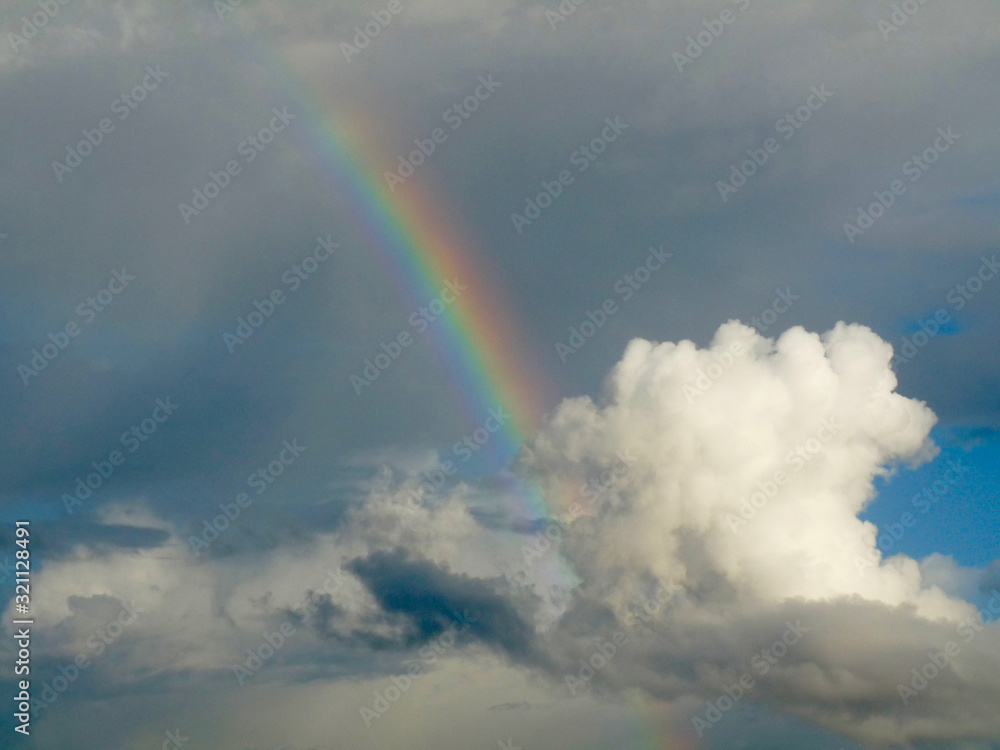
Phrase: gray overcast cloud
pixel 500 374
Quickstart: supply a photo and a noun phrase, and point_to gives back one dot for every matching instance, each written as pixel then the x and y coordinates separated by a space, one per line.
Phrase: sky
pixel 500 374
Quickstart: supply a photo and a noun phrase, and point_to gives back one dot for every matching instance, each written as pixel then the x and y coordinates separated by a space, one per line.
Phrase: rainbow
pixel 420 246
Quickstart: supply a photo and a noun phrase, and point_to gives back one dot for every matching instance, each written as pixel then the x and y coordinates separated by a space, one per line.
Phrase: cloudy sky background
pixel 404 572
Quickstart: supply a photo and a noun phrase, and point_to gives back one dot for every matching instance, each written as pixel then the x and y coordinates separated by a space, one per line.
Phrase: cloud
pixel 511 706
pixel 733 475
pixel 961 582
pixel 678 513
pixel 432 598
pixel 749 462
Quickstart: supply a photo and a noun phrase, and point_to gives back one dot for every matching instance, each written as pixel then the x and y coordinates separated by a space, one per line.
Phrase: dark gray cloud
pixel 433 599
pixel 55 540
